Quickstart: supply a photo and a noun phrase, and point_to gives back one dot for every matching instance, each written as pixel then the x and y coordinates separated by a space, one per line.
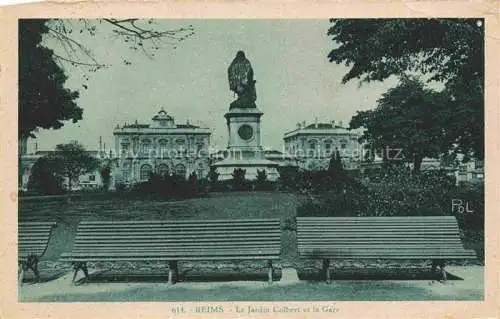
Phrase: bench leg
pixel 441 264
pixel 80 265
pixel 443 271
pixel 270 271
pixel 32 263
pixel 22 266
pixel 326 270
pixel 173 272
pixel 34 267
pixel 85 270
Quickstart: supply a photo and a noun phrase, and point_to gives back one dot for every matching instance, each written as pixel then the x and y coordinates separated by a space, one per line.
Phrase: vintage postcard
pixel 189 160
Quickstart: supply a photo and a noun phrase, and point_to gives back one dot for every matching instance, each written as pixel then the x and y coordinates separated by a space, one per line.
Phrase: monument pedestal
pixel 244 147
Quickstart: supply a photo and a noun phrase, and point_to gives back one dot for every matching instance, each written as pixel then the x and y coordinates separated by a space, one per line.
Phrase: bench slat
pixel 376 218
pixel 168 258
pixel 178 232
pixel 167 237
pixel 182 222
pixel 173 248
pixel 207 251
pixel 170 246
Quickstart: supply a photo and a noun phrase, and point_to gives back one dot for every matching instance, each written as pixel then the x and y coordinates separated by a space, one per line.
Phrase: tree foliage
pixel 407 123
pixel 213 175
pixel 167 186
pixel 74 161
pixel 45 177
pixel 44 102
pixel 335 164
pixel 450 51
pixel 261 176
pixel 288 176
pixel 105 172
pixel 239 181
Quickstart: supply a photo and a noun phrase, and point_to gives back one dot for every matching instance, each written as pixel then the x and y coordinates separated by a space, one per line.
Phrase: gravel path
pixel 470 288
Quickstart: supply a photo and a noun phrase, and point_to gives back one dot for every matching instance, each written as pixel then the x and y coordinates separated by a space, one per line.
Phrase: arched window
pixel 162 170
pixel 180 170
pixel 146 171
pixel 126 170
pixel 180 145
pixel 328 147
pixel 313 146
pixel 125 147
pixel 146 147
pixel 163 144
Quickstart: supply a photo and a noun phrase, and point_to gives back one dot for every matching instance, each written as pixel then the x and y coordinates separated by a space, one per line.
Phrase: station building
pixel 313 144
pixel 161 146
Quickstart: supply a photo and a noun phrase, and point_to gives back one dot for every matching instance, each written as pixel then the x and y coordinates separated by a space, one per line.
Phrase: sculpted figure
pixel 241 82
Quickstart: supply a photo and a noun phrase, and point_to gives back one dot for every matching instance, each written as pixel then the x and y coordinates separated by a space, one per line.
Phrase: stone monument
pixel 243 121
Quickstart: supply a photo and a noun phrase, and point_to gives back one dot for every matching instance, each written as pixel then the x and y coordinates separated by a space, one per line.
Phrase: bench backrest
pixel 33 238
pixel 181 239
pixel 409 237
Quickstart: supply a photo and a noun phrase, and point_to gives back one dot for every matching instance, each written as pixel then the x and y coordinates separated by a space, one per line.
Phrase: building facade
pixel 162 147
pixel 312 145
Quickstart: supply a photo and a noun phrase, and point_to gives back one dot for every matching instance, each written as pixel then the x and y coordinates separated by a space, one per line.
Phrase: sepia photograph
pixel 217 160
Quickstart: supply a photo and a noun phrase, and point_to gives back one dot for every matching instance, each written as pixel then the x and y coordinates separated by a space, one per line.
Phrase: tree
pixel 74 161
pixel 450 51
pixel 44 102
pixel 335 165
pixel 105 172
pixel 261 182
pixel 45 177
pixel 213 175
pixel 261 176
pixel 239 178
pixel 336 177
pixel 192 184
pixel 288 176
pixel 407 123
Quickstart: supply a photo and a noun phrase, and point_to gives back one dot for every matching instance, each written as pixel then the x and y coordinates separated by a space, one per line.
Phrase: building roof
pixel 136 125
pixel 160 116
pixel 322 126
pixel 91 152
pixel 139 126
pixel 186 126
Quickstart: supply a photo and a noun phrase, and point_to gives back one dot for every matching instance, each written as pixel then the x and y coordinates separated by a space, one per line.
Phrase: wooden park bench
pixel 33 238
pixel 433 238
pixel 174 241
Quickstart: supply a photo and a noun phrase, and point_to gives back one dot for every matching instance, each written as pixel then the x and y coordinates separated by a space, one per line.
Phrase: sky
pixel 295 81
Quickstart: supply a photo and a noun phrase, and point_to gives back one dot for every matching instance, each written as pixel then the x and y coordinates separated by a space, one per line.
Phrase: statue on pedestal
pixel 241 82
